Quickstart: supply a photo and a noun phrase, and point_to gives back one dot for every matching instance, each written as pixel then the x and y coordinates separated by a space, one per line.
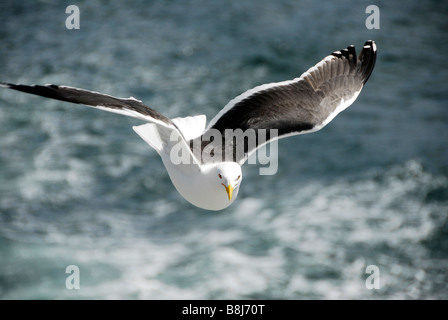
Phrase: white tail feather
pixel 191 127
pixel 150 134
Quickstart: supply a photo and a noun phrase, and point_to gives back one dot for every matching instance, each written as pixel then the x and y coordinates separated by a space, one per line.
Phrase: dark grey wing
pixel 129 107
pixel 298 106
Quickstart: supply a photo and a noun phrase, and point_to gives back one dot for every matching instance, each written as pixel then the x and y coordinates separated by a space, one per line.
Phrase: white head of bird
pixel 229 175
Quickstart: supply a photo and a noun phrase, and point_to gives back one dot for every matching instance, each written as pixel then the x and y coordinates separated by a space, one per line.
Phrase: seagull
pixel 211 181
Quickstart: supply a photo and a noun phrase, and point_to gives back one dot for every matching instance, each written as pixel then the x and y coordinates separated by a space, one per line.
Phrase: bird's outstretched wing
pixel 305 104
pixel 157 133
pixel 129 107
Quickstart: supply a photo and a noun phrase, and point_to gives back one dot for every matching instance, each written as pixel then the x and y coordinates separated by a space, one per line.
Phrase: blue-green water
pixel 78 187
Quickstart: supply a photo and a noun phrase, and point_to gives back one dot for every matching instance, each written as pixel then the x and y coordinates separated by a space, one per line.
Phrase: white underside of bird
pixel 211 186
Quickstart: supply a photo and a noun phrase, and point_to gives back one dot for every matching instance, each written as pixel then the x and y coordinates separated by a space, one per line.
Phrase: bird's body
pixel 197 182
pixel 205 166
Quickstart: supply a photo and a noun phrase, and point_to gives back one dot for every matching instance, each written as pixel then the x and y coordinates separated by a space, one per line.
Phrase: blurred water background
pixel 79 187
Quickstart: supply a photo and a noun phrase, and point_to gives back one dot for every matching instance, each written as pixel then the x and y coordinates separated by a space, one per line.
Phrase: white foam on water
pixel 315 242
pixel 327 235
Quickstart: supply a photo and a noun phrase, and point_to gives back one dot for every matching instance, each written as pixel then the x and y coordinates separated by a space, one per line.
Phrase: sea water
pixel 79 188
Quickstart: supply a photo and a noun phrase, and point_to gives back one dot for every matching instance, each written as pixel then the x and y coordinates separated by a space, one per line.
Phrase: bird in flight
pixel 202 162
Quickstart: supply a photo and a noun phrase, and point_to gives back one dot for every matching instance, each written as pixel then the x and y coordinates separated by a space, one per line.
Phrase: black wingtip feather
pixel 352 51
pixel 337 54
pixel 47 91
pixel 345 53
pixel 367 57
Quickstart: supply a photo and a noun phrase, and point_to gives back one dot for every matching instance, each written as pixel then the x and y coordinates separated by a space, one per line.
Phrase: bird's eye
pixel 220 176
pixel 239 177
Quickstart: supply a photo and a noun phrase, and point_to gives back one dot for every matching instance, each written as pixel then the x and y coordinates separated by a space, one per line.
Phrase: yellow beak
pixel 229 190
